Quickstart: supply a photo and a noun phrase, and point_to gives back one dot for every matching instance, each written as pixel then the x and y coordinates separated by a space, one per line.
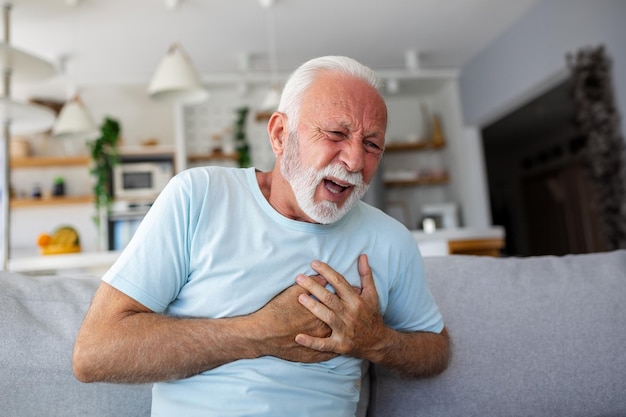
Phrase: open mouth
pixel 335 186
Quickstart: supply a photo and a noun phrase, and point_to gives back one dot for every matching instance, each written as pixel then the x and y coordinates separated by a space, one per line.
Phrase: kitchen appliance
pixel 439 216
pixel 123 221
pixel 136 182
pixel 141 177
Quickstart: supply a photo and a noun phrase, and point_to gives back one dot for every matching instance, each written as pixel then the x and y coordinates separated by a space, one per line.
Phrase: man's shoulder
pixel 370 212
pixel 211 171
pixel 209 175
pixel 382 223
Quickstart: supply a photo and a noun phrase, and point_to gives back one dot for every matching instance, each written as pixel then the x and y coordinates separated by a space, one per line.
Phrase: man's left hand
pixel 353 315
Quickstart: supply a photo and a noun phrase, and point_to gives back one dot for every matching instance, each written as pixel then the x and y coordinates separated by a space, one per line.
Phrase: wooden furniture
pixel 438 178
pixel 209 157
pixel 480 241
pixel 38 162
pixel 479 247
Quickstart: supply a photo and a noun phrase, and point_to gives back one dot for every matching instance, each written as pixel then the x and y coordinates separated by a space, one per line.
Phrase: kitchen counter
pixel 90 262
pixel 471 241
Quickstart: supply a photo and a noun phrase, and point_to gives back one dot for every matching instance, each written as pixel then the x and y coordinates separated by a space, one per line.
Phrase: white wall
pixel 532 55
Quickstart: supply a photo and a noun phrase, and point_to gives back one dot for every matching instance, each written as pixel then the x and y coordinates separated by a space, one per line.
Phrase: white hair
pixel 301 79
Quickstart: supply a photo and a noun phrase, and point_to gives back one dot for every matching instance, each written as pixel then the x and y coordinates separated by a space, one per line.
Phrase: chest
pixel 239 275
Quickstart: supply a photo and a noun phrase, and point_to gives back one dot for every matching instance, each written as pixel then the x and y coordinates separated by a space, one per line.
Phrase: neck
pixel 276 191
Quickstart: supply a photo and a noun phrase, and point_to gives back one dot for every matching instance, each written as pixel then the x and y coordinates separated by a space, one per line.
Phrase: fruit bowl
pixel 64 240
pixel 59 249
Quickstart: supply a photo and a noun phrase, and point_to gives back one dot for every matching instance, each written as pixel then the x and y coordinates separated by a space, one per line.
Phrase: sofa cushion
pixel 39 318
pixel 540 336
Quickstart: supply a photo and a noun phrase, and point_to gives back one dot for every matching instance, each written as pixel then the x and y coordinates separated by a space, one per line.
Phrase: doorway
pixel 538 189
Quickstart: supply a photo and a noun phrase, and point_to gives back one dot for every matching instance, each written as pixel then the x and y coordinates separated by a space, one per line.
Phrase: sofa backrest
pixel 39 318
pixel 541 336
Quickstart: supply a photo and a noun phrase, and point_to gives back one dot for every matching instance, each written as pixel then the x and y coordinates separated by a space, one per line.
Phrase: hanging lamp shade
pixel 26 118
pixel 272 100
pixel 23 65
pixel 74 121
pixel 176 80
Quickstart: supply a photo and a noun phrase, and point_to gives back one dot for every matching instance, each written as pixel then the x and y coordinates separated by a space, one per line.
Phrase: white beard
pixel 304 181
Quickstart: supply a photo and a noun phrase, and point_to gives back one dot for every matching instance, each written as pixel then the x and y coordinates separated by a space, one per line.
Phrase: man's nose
pixel 353 155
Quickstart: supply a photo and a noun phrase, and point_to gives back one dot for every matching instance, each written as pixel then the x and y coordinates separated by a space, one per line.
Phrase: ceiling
pixel 124 40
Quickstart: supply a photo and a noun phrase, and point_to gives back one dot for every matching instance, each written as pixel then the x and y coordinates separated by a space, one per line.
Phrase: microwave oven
pixel 146 179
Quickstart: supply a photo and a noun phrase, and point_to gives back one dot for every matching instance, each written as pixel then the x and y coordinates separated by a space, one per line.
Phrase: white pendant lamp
pixel 74 121
pixel 26 118
pixel 24 66
pixel 272 100
pixel 176 80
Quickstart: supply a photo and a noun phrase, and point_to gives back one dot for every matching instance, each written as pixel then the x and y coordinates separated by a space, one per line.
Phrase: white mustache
pixel 340 173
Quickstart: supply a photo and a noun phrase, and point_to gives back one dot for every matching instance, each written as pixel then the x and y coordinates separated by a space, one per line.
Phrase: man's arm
pixel 358 328
pixel 121 340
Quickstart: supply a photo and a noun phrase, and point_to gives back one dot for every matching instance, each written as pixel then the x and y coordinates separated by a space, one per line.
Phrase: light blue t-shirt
pixel 212 246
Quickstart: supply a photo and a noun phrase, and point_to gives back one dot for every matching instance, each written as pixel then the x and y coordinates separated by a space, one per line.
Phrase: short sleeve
pixel 155 263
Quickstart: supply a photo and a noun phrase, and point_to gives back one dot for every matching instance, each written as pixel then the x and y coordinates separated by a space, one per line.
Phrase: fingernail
pixel 315 263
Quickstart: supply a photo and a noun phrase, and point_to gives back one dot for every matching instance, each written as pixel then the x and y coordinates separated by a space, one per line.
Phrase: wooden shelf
pixel 431 180
pixel 212 156
pixel 477 247
pixel 49 161
pixel 51 201
pixel 263 116
pixel 417 146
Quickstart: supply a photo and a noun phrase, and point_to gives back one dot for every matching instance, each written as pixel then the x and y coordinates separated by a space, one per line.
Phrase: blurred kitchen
pixel 504 136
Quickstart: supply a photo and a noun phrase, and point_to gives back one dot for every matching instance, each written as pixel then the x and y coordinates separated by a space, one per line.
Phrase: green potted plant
pixel 241 141
pixel 58 186
pixel 105 155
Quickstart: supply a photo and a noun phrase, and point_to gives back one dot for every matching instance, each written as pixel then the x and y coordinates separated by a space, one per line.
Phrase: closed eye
pixel 373 147
pixel 336 135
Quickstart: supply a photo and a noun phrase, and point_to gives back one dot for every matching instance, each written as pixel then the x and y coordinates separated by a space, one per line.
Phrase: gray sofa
pixel 542 336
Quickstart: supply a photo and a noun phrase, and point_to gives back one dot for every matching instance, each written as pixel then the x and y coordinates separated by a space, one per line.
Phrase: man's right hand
pixel 123 341
pixel 281 319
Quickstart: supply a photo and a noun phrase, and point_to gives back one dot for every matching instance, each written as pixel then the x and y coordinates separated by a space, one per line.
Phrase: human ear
pixel 276 131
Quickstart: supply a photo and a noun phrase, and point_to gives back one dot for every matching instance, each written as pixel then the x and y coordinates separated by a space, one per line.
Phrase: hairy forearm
pixel 149 347
pixel 413 355
pixel 123 341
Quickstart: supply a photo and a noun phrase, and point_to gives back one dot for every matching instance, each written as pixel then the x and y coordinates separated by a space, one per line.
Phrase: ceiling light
pixel 393 86
pixel 412 60
pixel 271 100
pixel 74 121
pixel 176 80
pixel 172 4
pixel 26 118
pixel 23 65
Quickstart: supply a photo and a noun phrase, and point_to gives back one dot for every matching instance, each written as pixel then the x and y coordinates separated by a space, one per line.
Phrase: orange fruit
pixel 44 239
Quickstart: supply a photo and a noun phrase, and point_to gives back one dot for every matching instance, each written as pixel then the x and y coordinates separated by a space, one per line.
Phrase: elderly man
pixel 261 293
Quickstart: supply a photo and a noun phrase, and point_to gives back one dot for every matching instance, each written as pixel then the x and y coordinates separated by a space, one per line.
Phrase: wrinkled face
pixel 331 159
pixel 304 182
